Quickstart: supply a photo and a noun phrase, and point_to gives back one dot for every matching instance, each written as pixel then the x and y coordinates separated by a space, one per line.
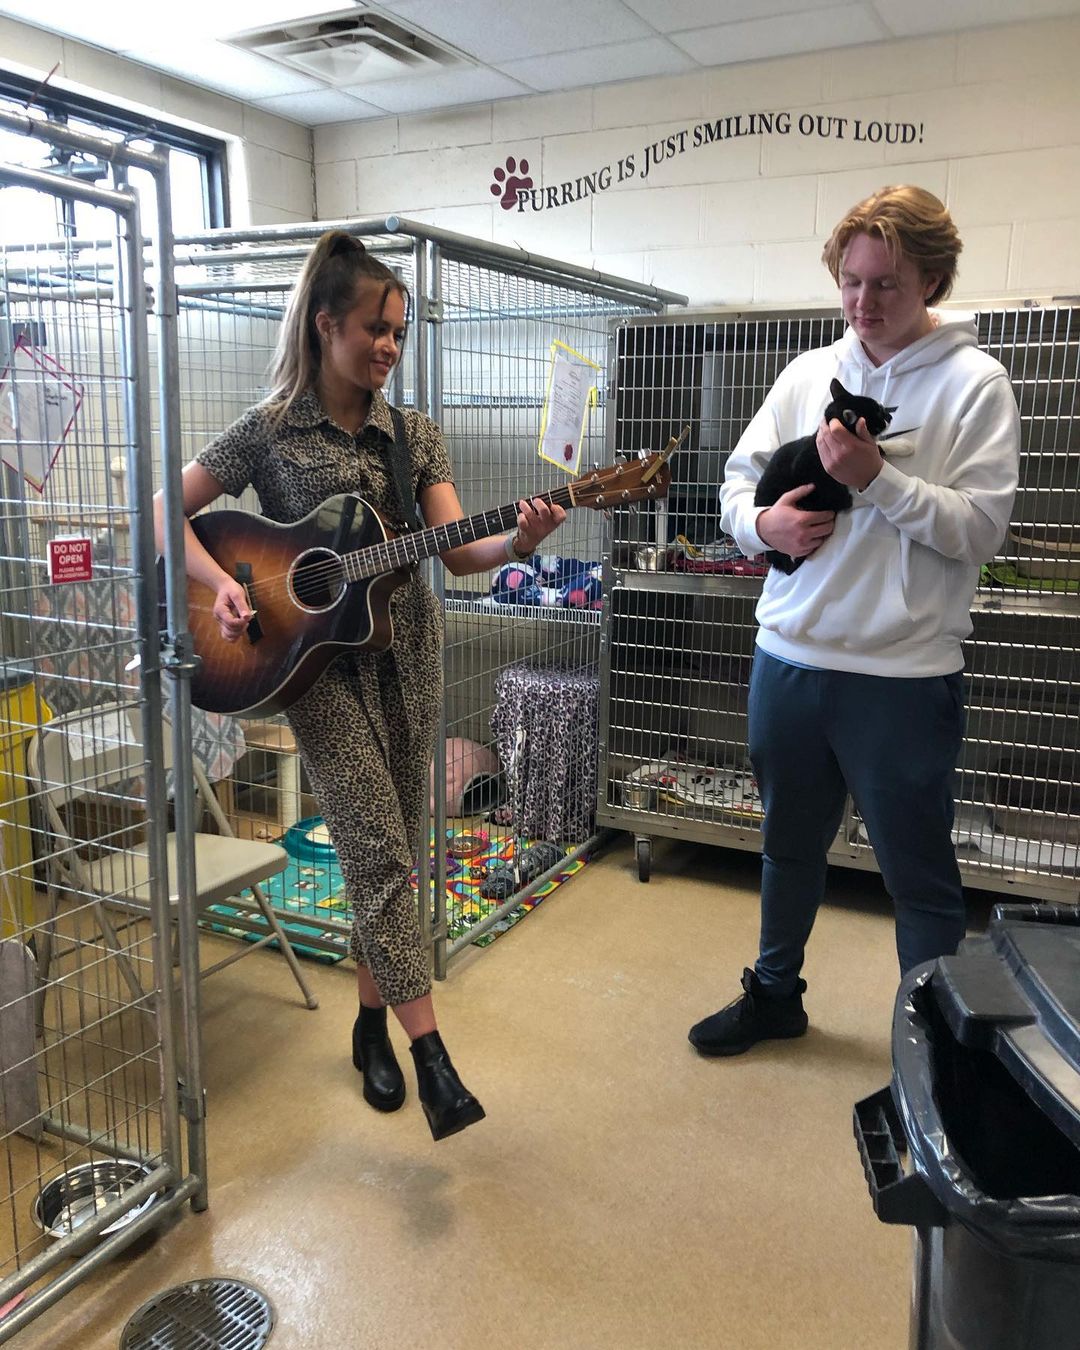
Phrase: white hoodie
pixel 890 591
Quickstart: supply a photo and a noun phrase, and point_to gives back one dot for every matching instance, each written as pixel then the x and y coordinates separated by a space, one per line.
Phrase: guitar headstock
pixel 622 484
pixel 637 480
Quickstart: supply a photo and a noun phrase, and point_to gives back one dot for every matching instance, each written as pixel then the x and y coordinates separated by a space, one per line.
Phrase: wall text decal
pixel 517 190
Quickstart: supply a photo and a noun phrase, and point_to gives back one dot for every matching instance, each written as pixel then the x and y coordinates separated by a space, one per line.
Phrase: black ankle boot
pixel 448 1104
pixel 373 1055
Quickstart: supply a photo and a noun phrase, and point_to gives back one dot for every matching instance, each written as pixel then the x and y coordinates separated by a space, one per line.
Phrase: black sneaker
pixel 754 1017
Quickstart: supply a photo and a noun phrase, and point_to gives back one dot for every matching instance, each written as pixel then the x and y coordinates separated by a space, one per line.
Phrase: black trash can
pixel 985 1103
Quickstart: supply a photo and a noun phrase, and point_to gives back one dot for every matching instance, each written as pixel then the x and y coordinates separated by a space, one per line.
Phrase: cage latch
pixel 192 1104
pixel 178 655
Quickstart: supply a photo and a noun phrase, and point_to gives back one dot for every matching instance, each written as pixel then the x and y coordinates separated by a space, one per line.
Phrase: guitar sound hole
pixel 317 581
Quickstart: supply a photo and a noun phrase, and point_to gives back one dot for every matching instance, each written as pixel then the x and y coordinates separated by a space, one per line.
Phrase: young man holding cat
pixel 857 678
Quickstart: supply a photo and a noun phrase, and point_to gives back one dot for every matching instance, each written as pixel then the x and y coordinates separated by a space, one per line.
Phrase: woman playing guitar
pixel 366 725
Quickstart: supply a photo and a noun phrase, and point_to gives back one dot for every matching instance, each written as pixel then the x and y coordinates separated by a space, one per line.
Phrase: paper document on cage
pixel 570 393
pixel 38 405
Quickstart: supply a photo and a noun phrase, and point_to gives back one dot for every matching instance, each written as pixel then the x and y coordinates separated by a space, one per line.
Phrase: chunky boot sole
pixel 448 1105
pixel 454 1122
pixel 379 1101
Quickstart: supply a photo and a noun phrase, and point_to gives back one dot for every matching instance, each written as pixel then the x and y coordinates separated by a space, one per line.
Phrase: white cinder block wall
pixel 995 113
pixel 994 118
pixel 269 157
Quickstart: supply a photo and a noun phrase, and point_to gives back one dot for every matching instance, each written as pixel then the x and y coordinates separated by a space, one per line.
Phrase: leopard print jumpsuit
pixel 366 728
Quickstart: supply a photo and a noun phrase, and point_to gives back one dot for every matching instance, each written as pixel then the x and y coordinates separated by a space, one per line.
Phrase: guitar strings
pixel 278 582
pixel 323 571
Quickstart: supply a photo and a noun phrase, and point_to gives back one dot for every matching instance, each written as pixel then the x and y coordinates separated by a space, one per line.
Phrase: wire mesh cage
pixel 89 1136
pixel 522 645
pixel 513 788
pixel 680 615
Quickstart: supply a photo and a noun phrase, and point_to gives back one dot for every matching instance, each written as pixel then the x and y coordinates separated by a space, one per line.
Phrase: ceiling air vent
pixel 349 47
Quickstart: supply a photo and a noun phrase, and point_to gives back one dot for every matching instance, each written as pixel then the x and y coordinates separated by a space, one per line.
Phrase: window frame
pixel 63 104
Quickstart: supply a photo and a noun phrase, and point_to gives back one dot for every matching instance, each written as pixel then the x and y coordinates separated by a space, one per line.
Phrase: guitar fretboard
pixel 408 549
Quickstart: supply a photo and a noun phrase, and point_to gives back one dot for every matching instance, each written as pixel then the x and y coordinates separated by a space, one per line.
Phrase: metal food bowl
pixel 638 795
pixel 70 1200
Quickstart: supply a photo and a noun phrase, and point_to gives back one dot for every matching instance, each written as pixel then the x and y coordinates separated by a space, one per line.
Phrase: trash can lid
pixel 1016 993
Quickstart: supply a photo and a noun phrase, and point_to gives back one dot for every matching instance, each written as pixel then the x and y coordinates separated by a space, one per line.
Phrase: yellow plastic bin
pixel 22 711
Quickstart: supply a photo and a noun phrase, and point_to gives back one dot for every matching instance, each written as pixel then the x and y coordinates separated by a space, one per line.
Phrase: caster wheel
pixel 644 859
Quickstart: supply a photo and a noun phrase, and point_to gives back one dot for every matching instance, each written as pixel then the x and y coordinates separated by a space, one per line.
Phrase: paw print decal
pixel 507 182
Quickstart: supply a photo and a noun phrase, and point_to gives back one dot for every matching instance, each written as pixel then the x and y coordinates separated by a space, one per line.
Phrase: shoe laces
pixel 744 1004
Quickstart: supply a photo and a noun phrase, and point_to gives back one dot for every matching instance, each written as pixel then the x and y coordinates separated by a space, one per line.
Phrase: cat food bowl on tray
pixel 74 1197
pixel 1046 552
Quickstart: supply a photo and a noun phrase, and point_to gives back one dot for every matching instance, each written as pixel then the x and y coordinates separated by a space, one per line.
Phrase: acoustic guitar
pixel 322 586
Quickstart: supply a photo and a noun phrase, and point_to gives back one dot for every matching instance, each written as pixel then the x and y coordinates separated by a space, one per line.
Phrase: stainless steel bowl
pixel 74 1197
pixel 647 558
pixel 638 795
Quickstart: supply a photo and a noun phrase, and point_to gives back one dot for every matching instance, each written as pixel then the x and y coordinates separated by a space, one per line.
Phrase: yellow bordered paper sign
pixel 571 392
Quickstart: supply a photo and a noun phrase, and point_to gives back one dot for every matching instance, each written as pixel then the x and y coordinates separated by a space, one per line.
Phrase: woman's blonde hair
pixel 328 281
pixel 913 224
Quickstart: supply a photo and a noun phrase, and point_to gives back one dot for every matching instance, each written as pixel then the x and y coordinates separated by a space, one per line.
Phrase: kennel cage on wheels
pixel 522 644
pixel 679 615
pixel 89 1110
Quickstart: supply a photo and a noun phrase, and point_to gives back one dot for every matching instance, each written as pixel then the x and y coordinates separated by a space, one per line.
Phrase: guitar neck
pixel 407 549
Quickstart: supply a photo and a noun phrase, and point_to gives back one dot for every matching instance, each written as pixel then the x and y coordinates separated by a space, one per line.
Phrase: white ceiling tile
pixel 907 18
pixel 673 16
pixel 497 31
pixel 846 26
pixel 318 107
pixel 552 45
pixel 210 63
pixel 450 89
pixel 601 65
pixel 120 23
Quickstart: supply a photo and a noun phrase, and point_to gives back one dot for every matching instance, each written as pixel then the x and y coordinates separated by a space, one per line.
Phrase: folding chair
pixel 92 759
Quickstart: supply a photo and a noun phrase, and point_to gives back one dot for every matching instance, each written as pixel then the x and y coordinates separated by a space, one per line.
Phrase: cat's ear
pixel 891 410
pixel 838 391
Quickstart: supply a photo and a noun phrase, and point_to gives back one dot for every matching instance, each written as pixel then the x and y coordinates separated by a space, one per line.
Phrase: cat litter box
pixel 1048 553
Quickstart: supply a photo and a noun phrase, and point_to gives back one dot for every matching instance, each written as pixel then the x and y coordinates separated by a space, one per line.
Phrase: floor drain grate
pixel 202 1315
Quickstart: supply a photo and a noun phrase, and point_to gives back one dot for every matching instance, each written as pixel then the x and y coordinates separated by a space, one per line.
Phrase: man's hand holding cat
pixel 855 460
pixel 788 530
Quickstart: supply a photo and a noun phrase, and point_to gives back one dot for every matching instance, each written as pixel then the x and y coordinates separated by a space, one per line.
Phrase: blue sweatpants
pixel 893 743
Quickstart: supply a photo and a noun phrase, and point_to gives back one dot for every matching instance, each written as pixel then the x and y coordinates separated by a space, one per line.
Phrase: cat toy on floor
pixel 797 462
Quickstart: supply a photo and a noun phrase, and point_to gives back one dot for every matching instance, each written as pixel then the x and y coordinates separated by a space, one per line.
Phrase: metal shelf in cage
pixel 493 610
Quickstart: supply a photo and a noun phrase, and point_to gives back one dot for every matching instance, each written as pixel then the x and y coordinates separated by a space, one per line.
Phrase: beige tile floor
pixel 622 1192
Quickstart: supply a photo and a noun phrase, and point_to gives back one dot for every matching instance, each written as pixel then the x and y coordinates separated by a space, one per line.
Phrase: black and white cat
pixel 797 462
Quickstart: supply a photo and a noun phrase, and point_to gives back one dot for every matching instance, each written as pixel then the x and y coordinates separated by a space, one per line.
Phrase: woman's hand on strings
pixel 232 611
pixel 536 520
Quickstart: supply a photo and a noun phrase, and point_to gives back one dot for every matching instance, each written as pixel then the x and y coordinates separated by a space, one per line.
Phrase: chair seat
pixel 223 868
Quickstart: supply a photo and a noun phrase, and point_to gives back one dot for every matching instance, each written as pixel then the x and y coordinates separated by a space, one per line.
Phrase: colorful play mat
pixel 479 871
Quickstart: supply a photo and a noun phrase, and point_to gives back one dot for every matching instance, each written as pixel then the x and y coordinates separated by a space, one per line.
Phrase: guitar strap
pixel 401 470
